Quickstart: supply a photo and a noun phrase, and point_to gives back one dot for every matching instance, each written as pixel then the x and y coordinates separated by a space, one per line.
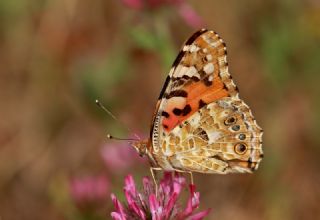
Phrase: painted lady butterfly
pixel 200 123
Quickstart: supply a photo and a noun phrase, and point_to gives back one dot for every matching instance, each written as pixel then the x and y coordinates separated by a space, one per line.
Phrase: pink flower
pixel 186 12
pixel 87 190
pixel 159 3
pixel 151 4
pixel 134 4
pixel 190 16
pixel 119 156
pixel 146 205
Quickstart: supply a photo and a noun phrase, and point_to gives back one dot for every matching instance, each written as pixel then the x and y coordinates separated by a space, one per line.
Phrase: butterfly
pixel 200 124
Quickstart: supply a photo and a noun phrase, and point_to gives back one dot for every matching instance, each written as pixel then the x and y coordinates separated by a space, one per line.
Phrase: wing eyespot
pixel 240 148
pixel 230 121
pixel 235 127
pixel 242 137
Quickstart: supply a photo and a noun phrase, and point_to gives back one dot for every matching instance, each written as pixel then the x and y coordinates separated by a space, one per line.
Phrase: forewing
pixel 199 76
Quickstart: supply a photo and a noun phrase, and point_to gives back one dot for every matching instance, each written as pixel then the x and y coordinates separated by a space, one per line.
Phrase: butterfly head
pixel 140 146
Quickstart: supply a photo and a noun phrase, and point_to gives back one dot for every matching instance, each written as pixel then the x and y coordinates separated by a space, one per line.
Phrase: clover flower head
pixel 163 206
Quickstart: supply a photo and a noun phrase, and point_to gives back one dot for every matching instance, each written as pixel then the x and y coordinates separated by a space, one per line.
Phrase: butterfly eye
pixel 240 148
pixel 231 120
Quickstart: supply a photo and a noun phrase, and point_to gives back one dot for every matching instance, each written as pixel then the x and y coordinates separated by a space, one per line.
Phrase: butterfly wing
pixel 199 80
pixel 222 137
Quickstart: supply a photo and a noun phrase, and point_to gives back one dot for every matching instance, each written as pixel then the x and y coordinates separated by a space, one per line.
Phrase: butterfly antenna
pixel 106 110
pixel 115 118
pixel 109 136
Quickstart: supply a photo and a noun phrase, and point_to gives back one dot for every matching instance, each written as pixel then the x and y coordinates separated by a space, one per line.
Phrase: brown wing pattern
pixel 200 123
pixel 223 137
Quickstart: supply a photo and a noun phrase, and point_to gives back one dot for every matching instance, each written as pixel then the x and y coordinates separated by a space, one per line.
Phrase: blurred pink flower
pixel 187 13
pixel 134 4
pixel 159 3
pixel 87 190
pixel 119 156
pixel 146 205
pixel 190 16
pixel 151 4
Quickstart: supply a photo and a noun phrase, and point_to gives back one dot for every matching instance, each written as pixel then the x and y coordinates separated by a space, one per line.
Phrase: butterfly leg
pixel 152 171
pixel 191 177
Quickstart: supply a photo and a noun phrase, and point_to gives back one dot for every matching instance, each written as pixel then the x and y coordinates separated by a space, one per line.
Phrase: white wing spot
pixel 185 48
pixel 209 57
pixel 221 60
pixel 171 71
pixel 213 136
pixel 214 43
pixel 186 71
pixel 193 48
pixel 208 68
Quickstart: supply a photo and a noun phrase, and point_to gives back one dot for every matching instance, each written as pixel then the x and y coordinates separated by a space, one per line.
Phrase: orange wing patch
pixel 179 109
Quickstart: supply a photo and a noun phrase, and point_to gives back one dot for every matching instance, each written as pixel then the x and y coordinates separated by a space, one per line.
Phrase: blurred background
pixel 58 56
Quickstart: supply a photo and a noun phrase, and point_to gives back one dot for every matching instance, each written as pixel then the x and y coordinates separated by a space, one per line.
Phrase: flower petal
pixel 167 178
pixel 200 215
pixel 168 208
pixel 177 187
pixel 195 197
pixel 132 205
pixel 132 196
pixel 147 186
pixel 155 208
pixel 179 179
pixel 193 202
pixel 118 206
pixel 117 216
pixel 130 185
